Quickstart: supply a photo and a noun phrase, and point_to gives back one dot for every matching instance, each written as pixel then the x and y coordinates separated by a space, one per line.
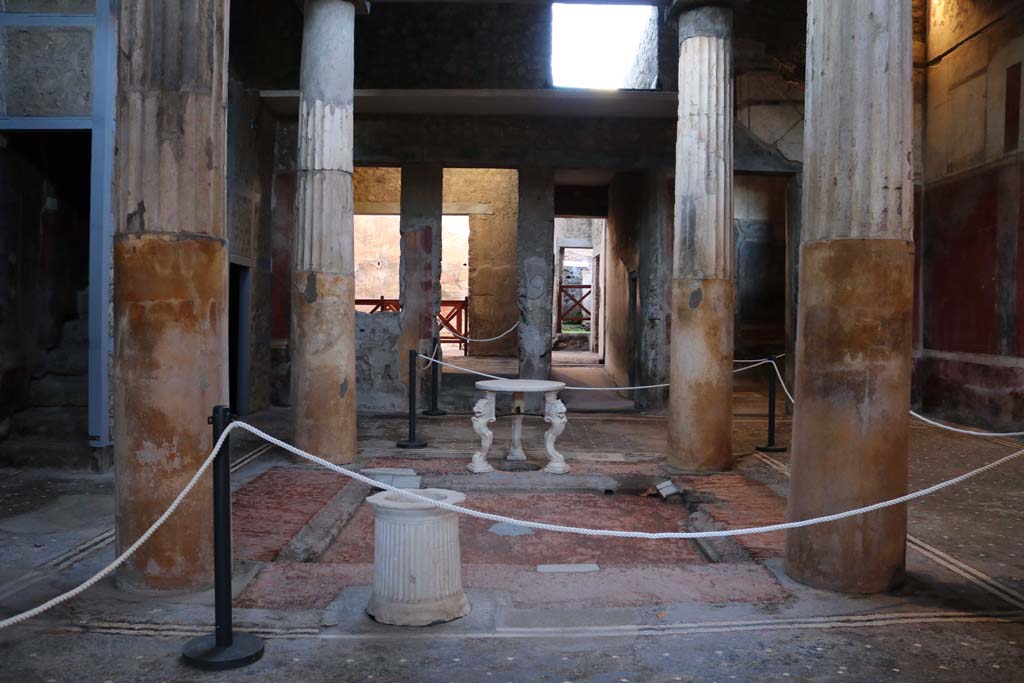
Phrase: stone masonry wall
pixel 454 45
pixel 644 73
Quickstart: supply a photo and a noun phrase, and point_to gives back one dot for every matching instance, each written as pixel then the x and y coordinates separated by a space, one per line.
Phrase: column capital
pixel 362 6
pixel 710 18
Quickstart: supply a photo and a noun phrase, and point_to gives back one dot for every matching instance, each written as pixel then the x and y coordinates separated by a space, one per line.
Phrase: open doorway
pixel 45 204
pixel 578 289
pixel 238 337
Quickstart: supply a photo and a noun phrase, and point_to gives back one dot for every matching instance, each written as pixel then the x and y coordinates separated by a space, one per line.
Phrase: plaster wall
pixel 454 45
pixel 622 256
pixel 378 256
pixel 249 181
pixel 971 285
pixel 759 221
pixel 644 73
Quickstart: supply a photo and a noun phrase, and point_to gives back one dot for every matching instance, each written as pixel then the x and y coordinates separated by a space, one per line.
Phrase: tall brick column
pixel 323 280
pixel 170 280
pixel 856 296
pixel 703 289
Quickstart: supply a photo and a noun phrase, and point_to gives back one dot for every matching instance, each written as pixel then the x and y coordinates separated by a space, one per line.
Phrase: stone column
pixel 323 283
pixel 420 225
pixel 856 296
pixel 535 257
pixel 170 281
pixel 703 290
pixel 654 274
pixel 794 217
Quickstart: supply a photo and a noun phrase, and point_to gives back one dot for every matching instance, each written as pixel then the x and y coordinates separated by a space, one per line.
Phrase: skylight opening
pixel 597 46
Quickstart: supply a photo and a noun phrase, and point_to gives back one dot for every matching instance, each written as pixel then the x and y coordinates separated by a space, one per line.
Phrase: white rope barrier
pixel 970 432
pixel 919 416
pixel 430 360
pixel 753 363
pixel 433 356
pixel 541 526
pixel 446 364
pixel 100 575
pixel 615 533
pixel 489 339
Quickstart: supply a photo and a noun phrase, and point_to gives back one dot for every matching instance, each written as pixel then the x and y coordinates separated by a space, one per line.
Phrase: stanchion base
pixel 434 413
pixel 204 653
pixel 770 449
pixel 418 443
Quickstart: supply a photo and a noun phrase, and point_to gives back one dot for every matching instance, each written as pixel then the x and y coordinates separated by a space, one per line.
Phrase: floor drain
pixel 516 466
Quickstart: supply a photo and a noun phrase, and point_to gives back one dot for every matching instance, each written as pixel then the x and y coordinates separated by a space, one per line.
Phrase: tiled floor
pixel 654 610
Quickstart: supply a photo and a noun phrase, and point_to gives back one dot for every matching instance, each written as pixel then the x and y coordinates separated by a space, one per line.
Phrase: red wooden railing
pixel 565 292
pixel 452 320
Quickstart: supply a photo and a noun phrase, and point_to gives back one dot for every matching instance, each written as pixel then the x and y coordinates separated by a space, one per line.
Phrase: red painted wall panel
pixel 1020 285
pixel 961 272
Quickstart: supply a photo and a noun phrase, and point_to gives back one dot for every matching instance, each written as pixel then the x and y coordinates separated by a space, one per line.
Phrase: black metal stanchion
pixel 435 380
pixel 770 447
pixel 224 648
pixel 412 441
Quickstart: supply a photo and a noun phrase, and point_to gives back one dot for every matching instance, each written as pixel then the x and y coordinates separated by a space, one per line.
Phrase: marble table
pixel 483 415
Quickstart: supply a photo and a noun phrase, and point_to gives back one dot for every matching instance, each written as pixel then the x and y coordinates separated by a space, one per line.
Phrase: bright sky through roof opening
pixel 595 46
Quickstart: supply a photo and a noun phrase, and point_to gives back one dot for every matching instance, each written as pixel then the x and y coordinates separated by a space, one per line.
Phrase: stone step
pixel 69 453
pixel 59 390
pixel 67 359
pixel 51 422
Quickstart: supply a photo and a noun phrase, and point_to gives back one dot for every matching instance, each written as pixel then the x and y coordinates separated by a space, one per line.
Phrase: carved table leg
pixel 483 415
pixel 516 451
pixel 554 414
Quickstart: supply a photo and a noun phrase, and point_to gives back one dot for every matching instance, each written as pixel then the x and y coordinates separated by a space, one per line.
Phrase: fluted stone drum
pixel 417 564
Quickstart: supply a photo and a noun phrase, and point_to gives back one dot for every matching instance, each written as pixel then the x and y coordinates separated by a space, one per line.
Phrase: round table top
pixel 520 386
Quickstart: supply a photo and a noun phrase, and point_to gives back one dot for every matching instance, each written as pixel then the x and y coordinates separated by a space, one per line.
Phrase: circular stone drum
pixel 417 564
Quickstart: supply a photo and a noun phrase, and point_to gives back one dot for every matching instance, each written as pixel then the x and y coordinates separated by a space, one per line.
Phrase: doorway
pixel 238 338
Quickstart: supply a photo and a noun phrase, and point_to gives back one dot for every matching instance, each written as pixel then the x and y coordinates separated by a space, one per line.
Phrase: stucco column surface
pixel 703 289
pixel 170 362
pixel 323 291
pixel 420 227
pixel 536 262
pixel 853 360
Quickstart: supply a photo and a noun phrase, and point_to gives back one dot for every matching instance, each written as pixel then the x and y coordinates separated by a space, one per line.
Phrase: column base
pixel 850 430
pixel 422 614
pixel 701 375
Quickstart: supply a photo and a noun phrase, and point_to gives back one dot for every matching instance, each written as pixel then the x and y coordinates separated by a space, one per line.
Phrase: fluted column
pixel 323 283
pixel 856 296
pixel 700 396
pixel 170 280
pixel 417 562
